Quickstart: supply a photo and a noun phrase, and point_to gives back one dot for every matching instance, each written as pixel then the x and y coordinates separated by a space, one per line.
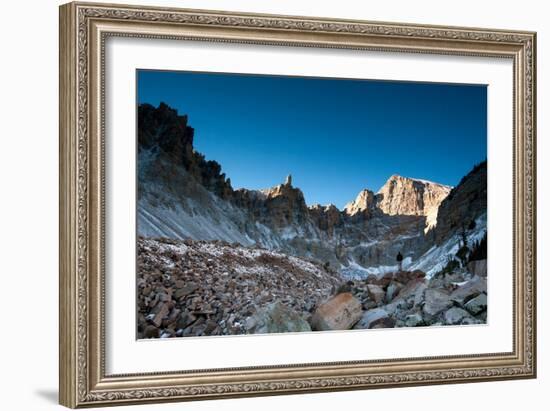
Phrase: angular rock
pixel 397 305
pixel 477 305
pixel 406 276
pixel 162 312
pixel 455 315
pixel 151 332
pixel 376 293
pixel 386 322
pixel 471 289
pixel 210 327
pixel 185 319
pixel 187 289
pixel 385 280
pixel 339 313
pixel 345 288
pixel 436 301
pixel 414 320
pixel 371 279
pixel 446 280
pixel 392 290
pixel 375 318
pixel 414 289
pixel 276 318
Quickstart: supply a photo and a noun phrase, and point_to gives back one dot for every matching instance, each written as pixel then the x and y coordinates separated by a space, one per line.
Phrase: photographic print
pixel 274 204
pixel 291 183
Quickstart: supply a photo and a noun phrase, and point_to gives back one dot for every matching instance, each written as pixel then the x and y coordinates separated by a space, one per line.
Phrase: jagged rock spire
pixel 288 180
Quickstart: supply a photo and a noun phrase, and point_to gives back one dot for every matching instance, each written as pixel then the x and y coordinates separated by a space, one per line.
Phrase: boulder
pixel 346 287
pixel 470 290
pixel 151 332
pixel 446 280
pixel 376 293
pixel 276 318
pixel 185 319
pixel 385 280
pixel 161 313
pixel 455 315
pixel 396 306
pixel 406 276
pixel 339 313
pixel 414 320
pixel 386 322
pixel 478 267
pixel 375 318
pixel 477 305
pixel 436 301
pixel 392 290
pixel 414 289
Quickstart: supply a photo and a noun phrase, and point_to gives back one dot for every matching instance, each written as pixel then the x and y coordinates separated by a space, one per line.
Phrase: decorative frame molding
pixel 83 30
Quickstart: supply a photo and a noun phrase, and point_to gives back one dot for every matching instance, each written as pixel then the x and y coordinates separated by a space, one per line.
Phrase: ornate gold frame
pixel 83 30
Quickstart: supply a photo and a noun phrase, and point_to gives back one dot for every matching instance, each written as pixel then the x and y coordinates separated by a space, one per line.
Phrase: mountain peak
pixel 364 201
pixel 410 196
pixel 395 178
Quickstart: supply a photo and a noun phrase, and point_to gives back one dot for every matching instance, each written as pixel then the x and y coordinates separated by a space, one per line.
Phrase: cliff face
pixel 463 205
pixel 163 131
pixel 364 204
pixel 407 196
pixel 182 195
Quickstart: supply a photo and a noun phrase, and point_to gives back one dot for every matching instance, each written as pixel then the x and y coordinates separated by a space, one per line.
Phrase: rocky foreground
pixel 191 288
pixel 196 288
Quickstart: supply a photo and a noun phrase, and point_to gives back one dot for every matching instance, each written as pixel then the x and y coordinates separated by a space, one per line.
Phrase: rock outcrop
pixel 364 204
pixel 408 196
pixel 162 131
pixel 464 204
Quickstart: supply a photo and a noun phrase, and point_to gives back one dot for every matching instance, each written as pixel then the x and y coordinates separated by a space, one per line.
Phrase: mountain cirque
pixel 214 260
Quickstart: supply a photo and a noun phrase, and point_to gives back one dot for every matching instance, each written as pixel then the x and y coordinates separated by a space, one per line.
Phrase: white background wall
pixel 28 205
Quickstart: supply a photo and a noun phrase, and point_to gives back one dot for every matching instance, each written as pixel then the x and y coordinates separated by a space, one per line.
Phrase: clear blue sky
pixel 335 136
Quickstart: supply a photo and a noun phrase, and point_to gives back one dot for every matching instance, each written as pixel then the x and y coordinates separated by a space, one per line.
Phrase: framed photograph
pixel 259 204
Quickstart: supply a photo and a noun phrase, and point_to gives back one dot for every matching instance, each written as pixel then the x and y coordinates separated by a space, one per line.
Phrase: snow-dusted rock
pixel 469 290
